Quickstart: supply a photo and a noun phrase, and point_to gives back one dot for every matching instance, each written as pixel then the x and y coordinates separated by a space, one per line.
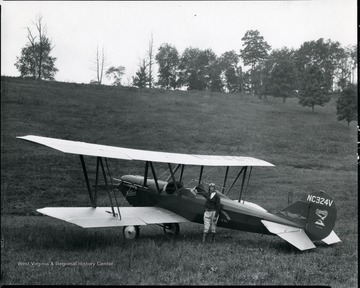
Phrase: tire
pixel 131 232
pixel 172 229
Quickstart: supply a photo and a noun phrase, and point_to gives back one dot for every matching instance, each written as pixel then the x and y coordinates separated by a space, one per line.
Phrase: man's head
pixel 211 187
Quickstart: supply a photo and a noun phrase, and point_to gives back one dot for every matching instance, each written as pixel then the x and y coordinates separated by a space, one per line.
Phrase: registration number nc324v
pixel 319 200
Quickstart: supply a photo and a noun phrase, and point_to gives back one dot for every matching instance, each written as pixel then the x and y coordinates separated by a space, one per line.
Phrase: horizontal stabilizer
pixel 88 217
pixel 331 239
pixel 295 236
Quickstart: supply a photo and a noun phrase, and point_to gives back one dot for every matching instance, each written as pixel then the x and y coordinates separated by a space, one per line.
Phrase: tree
pixel 231 72
pixel 257 79
pixel 347 64
pixel 215 81
pixel 354 57
pixel 211 70
pixel 344 69
pixel 116 74
pixel 197 68
pixel 312 88
pixel 168 61
pixel 99 65
pixel 282 79
pixel 254 52
pixel 141 78
pixel 234 79
pixel 246 82
pixel 323 54
pixel 189 69
pixel 35 60
pixel 265 86
pixel 151 61
pixel 346 105
pixel 318 59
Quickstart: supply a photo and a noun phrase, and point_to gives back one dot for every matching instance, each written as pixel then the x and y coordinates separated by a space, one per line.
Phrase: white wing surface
pixel 88 149
pixel 88 217
pixel 295 236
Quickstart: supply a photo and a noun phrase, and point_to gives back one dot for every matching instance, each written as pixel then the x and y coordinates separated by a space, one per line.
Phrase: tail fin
pixel 317 215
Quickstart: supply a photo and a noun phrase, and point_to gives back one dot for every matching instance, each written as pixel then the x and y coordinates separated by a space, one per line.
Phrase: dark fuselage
pixel 233 215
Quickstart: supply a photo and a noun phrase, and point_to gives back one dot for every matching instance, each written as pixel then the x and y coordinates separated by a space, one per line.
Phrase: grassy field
pixel 311 151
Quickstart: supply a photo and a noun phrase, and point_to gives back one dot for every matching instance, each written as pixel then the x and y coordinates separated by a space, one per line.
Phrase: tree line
pixel 311 73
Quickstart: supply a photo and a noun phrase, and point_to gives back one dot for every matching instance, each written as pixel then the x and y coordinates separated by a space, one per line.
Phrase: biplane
pixel 168 202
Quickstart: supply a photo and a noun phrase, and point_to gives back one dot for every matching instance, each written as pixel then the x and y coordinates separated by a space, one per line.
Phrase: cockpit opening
pixel 170 187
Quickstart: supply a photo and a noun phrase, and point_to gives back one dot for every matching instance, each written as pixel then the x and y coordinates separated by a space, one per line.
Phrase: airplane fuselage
pixel 234 215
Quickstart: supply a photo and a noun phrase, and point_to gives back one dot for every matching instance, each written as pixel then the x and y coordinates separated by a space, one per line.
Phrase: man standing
pixel 212 209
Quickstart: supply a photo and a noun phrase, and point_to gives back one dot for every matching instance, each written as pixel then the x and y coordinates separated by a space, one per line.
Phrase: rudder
pixel 322 215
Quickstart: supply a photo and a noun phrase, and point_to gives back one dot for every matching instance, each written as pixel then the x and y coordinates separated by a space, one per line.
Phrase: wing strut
pixel 247 184
pixel 107 167
pixel 232 185
pixel 146 173
pixel 182 171
pixel 225 179
pixel 201 173
pixel 96 179
pixel 155 178
pixel 173 178
pixel 107 190
pixel 93 196
pixel 175 170
pixel 93 203
pixel 242 183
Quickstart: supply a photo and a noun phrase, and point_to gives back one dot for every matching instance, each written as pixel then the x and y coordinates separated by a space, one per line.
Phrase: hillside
pixel 311 151
pixel 300 143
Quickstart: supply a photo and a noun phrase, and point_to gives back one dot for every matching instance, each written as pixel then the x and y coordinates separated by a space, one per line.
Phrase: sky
pixel 124 28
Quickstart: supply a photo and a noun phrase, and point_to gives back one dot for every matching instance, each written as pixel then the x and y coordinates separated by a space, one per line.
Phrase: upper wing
pixel 82 148
pixel 88 217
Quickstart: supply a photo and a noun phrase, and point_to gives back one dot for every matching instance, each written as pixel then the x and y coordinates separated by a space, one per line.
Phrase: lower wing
pixel 88 217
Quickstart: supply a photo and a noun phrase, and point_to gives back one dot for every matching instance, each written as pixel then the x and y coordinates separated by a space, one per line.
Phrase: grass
pixel 311 151
pixel 236 258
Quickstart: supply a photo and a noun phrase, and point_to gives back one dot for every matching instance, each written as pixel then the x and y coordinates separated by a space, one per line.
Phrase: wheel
pixel 171 228
pixel 131 232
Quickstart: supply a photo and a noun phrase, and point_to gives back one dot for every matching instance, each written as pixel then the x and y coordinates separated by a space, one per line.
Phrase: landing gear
pixel 171 228
pixel 131 232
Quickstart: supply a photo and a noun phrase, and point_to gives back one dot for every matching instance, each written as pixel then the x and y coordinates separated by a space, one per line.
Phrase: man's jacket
pixel 212 204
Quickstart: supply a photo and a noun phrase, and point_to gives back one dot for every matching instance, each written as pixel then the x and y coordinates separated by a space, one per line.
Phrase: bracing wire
pixel 204 176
